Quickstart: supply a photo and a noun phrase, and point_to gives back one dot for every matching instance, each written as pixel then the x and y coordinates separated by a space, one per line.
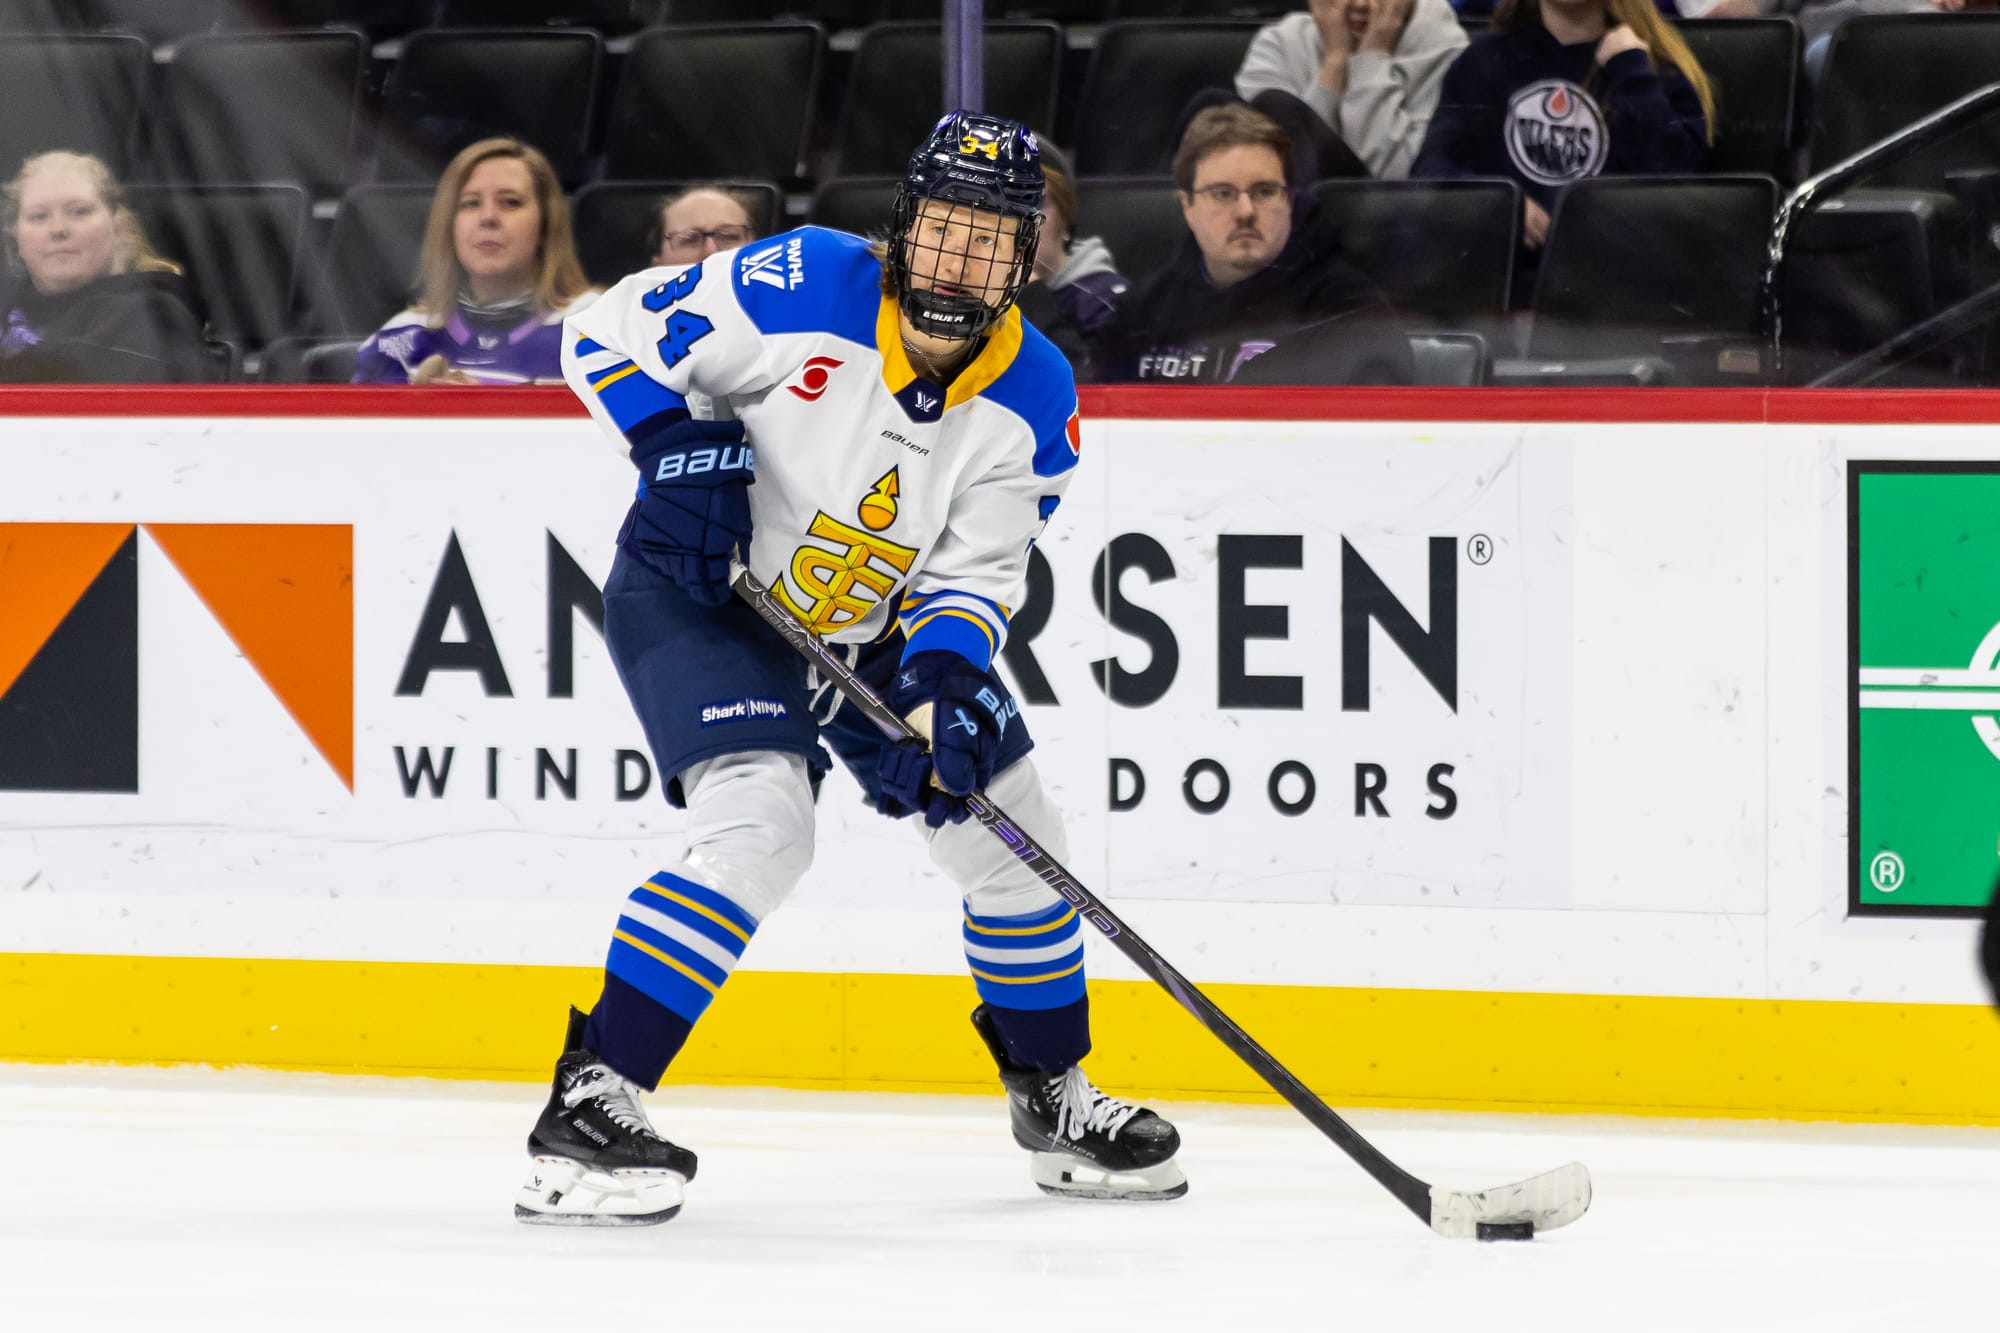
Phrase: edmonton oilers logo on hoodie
pixel 1555 132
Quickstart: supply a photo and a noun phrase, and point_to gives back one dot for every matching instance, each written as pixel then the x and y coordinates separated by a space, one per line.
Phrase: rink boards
pixel 1509 759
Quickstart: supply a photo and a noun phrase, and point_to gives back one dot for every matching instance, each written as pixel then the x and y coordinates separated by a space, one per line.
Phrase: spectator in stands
pixel 1371 69
pixel 88 300
pixel 1258 267
pixel 693 223
pixel 499 272
pixel 1076 283
pixel 1563 89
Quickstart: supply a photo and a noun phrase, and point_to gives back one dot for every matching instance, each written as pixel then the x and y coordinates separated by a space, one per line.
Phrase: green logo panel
pixel 1924 677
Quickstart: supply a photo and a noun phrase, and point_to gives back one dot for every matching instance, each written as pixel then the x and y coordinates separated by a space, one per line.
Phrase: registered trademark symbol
pixel 1479 548
pixel 1886 872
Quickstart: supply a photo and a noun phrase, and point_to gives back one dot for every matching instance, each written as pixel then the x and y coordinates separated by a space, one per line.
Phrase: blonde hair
pixel 133 252
pixel 1662 39
pixel 559 277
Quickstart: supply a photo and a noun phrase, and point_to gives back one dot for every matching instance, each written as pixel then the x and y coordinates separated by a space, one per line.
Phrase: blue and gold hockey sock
pixel 1029 971
pixel 675 944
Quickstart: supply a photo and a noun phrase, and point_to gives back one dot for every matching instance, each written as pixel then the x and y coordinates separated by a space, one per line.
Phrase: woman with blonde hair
pixel 88 300
pixel 1563 89
pixel 499 272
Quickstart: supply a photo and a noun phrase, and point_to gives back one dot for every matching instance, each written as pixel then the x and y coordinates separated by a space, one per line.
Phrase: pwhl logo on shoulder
pixel 780 266
pixel 69 638
pixel 1555 132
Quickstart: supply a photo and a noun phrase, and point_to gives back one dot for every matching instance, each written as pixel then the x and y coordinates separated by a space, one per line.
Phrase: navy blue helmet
pixel 970 161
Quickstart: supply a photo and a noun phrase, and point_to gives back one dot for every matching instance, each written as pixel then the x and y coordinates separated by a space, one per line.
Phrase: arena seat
pixel 1441 249
pixel 309 360
pixel 895 91
pixel 1631 260
pixel 371 257
pixel 1753 69
pixel 452 87
pixel 377 18
pixel 1884 71
pixel 607 16
pixel 857 204
pixel 214 121
pixel 679 111
pixel 239 245
pixel 79 93
pixel 1137 217
pixel 1141 76
pixel 613 218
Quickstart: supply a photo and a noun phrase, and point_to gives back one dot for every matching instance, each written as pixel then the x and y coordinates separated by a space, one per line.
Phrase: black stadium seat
pixel 679 112
pixel 614 218
pixel 1141 77
pixel 857 204
pixel 309 361
pixel 1633 260
pixel 1884 71
pixel 1137 217
pixel 239 246
pixel 452 87
pixel 76 93
pixel 895 91
pixel 604 15
pixel 1197 9
pixel 1752 67
pixel 215 124
pixel 154 20
pixel 1437 248
pixel 377 18
pixel 371 257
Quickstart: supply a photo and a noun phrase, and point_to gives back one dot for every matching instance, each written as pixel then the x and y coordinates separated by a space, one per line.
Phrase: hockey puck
pixel 1504 1230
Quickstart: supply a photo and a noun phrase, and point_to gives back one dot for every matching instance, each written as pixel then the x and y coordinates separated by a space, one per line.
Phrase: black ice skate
pixel 598 1162
pixel 1085 1144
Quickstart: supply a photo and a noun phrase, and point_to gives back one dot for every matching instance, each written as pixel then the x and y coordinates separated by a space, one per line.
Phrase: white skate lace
pixel 1082 1107
pixel 618 1096
pixel 822 698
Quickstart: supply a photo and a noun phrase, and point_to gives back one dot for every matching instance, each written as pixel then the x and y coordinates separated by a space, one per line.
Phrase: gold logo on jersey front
pixel 839 583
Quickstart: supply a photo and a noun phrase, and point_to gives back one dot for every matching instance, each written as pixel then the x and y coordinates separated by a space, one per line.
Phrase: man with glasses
pixel 695 222
pixel 1254 271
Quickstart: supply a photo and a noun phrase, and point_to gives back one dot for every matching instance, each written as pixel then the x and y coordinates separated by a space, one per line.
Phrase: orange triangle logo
pixel 284 593
pixel 44 568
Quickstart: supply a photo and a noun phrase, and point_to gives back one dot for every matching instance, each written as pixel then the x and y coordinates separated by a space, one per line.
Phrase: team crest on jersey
pixel 1555 132
pixel 1073 432
pixel 779 266
pixel 841 575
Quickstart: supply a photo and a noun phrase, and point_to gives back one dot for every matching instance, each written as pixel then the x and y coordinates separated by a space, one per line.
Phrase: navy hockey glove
pixel 693 508
pixel 965 720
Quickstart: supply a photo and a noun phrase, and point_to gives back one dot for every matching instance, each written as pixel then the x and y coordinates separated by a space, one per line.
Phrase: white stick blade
pixel 1553 1199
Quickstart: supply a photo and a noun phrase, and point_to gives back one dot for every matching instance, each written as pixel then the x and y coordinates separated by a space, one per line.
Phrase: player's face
pixel 957 250
pixel 67 234
pixel 498 229
pixel 1237 234
pixel 695 227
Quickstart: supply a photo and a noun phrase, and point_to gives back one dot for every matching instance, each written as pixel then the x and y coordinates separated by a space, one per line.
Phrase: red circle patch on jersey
pixel 812 383
pixel 1074 430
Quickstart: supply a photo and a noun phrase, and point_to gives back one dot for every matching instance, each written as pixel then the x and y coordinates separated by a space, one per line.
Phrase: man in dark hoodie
pixel 92 303
pixel 1258 269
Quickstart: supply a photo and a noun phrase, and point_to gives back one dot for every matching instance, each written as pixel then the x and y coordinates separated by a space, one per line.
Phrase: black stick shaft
pixel 1412 1192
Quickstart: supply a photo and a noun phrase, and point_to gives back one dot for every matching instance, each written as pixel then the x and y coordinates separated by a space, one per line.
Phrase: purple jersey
pixel 523 353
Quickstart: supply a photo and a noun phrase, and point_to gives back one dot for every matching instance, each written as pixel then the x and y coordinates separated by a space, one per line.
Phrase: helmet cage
pixel 970 161
pixel 956 316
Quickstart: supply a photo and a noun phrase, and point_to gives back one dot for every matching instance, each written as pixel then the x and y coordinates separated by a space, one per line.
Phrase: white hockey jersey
pixel 871 481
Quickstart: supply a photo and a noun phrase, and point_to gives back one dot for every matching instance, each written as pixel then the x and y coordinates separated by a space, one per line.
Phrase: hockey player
pixel 880 435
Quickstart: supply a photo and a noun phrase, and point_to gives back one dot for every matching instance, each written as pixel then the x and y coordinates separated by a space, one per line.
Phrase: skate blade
pixel 562 1193
pixel 1069 1177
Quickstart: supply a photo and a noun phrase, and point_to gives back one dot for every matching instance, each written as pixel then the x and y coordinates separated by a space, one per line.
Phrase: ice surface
pixel 197 1199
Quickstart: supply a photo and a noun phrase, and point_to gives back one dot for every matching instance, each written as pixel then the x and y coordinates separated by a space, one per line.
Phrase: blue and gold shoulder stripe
pixel 1040 388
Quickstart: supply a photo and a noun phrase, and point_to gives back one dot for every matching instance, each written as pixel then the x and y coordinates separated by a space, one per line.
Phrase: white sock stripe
pixel 1048 953
pixel 681 933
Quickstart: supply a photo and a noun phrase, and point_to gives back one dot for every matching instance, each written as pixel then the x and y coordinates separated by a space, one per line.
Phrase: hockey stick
pixel 1506 1212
